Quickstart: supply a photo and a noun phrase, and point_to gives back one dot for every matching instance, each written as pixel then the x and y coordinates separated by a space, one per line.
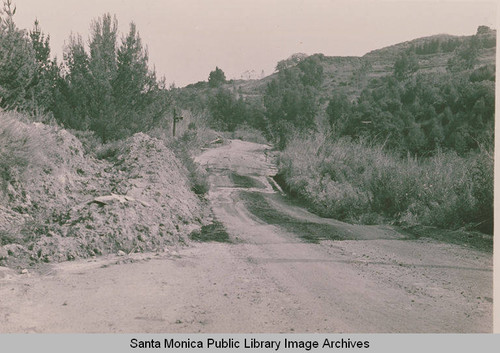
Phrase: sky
pixel 187 39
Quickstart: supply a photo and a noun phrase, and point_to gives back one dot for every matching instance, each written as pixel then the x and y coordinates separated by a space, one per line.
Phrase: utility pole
pixel 176 119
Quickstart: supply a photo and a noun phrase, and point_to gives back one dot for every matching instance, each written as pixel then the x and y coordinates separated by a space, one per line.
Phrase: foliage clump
pixel 290 100
pixel 423 113
pixel 106 86
pixel 216 77
pixel 362 183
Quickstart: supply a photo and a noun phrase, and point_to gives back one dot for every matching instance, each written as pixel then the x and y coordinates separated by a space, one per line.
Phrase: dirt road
pixel 281 272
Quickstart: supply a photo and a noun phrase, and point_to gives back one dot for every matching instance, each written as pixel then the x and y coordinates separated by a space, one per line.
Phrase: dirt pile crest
pixel 71 205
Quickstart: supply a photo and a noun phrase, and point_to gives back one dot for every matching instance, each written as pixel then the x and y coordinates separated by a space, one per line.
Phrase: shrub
pixel 183 147
pixel 247 133
pixel 359 182
pixel 111 150
pixel 216 78
pixel 197 177
pixel 18 147
pixel 90 141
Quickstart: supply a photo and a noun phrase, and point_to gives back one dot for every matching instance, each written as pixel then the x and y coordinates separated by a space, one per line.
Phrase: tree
pixel 465 57
pixel 103 68
pixel 290 100
pixel 312 71
pixel 289 106
pixel 40 44
pixel 338 111
pixel 483 30
pixel 216 77
pixel 44 82
pixel 226 111
pixel 27 74
pixel 102 46
pixel 135 85
pixel 73 106
pixel 406 65
pixel 17 61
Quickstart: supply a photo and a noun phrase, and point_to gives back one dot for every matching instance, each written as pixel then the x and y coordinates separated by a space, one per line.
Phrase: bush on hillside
pixel 248 133
pixel 19 148
pixel 291 100
pixel 216 78
pixel 111 150
pixel 182 148
pixel 423 114
pixel 353 181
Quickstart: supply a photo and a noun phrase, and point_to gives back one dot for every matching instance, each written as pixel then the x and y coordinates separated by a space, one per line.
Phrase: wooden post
pixel 176 119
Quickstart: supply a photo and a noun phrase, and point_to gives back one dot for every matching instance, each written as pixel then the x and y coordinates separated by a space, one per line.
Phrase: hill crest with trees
pixel 402 135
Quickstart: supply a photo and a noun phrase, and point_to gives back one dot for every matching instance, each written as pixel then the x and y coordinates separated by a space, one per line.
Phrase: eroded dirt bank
pixel 282 272
pixel 66 204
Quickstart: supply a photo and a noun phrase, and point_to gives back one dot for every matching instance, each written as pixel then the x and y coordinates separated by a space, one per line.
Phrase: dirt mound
pixel 67 204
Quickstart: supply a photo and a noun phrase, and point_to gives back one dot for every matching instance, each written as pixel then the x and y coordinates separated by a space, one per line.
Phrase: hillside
pixel 352 74
pixel 59 202
pixel 341 76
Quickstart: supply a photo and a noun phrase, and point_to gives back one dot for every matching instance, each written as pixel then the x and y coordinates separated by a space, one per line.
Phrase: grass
pixel 244 181
pixel 111 150
pixel 310 232
pixel 197 177
pixel 212 232
pixel 360 183
pixel 184 147
pixel 475 240
pixel 247 133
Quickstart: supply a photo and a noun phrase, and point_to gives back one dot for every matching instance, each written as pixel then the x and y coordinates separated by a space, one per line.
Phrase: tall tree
pixel 406 65
pixel 73 107
pixel 17 61
pixel 103 69
pixel 290 100
pixel 135 86
pixel 339 111
pixel 44 83
pixel 216 77
pixel 226 110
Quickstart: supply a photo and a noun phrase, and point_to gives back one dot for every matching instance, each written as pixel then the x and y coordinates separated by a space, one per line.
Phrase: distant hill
pixel 348 76
pixel 352 74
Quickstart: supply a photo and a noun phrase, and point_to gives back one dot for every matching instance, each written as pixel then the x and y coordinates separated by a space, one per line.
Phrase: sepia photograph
pixel 279 166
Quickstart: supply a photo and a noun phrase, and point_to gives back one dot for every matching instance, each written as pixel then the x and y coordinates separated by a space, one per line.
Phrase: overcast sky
pixel 188 38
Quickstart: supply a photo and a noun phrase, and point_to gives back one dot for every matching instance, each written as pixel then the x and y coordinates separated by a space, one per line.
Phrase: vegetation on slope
pixel 362 183
pixel 105 86
pixel 402 135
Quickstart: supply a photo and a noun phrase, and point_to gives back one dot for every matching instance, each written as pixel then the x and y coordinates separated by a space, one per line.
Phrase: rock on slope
pixel 66 204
